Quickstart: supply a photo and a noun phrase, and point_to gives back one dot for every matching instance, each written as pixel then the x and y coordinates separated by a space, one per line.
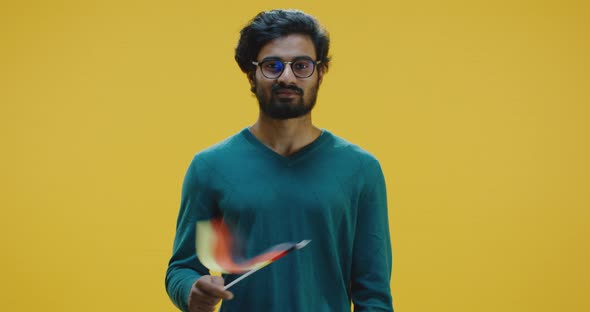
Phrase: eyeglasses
pixel 273 69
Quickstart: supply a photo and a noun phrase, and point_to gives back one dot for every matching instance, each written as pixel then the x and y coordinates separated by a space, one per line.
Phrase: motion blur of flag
pixel 218 250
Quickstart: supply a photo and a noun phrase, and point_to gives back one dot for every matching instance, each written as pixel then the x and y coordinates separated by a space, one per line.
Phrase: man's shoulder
pixel 351 151
pixel 225 149
pixel 228 144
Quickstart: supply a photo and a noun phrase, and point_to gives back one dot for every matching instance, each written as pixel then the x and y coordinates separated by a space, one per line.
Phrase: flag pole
pixel 244 276
pixel 299 245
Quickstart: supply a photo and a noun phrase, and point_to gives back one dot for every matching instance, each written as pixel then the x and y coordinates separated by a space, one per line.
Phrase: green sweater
pixel 331 192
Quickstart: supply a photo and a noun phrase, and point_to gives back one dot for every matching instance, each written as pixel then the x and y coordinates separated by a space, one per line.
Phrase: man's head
pixel 284 53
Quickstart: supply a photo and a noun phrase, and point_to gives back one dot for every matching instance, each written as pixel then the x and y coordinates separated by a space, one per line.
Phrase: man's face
pixel 287 96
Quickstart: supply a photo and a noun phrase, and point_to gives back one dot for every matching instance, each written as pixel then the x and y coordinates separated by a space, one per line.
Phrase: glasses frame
pixel 290 63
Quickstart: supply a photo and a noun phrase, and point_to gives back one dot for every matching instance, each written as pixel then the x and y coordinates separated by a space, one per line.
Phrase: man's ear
pixel 321 72
pixel 252 82
pixel 251 79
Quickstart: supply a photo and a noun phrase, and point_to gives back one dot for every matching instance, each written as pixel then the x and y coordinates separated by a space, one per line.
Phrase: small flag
pixel 217 250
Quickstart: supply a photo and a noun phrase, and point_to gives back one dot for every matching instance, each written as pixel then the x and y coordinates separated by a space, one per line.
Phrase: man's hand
pixel 206 293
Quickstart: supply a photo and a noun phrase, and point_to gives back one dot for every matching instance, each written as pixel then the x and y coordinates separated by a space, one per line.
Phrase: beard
pixel 286 108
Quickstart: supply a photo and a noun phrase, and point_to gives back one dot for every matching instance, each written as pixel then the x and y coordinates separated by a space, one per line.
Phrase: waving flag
pixel 217 250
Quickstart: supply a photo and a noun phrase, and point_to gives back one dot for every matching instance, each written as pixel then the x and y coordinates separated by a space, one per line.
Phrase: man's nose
pixel 287 76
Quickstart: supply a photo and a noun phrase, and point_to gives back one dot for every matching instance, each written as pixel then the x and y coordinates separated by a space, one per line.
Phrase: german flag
pixel 217 250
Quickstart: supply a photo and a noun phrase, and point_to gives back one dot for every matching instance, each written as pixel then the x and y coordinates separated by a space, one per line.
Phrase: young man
pixel 285 180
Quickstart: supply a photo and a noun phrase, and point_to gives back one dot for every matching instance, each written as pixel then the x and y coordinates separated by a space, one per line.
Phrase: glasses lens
pixel 272 69
pixel 303 68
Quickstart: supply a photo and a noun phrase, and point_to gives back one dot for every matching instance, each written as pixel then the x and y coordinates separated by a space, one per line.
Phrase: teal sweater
pixel 331 192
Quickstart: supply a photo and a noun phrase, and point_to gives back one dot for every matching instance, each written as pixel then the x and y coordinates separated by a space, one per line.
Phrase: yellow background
pixel 478 111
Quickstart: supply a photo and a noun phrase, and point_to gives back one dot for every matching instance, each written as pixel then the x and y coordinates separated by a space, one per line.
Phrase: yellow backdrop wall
pixel 478 111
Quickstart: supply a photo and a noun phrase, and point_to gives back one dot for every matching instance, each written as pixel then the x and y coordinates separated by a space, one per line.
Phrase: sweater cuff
pixel 185 289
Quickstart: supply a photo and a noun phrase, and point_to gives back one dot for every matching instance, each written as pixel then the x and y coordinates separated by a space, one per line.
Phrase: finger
pixel 217 280
pixel 207 300
pixel 199 300
pixel 213 290
pixel 206 309
pixel 199 306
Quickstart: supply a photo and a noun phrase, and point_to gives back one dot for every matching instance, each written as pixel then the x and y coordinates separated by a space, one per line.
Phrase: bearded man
pixel 284 179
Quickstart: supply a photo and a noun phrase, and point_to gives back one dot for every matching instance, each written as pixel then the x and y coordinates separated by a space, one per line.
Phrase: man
pixel 285 180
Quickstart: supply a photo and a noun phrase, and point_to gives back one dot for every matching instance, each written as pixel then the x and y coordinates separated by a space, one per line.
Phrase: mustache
pixel 281 87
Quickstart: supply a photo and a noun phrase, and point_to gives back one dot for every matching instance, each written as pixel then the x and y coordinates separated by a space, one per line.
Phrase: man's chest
pixel 286 205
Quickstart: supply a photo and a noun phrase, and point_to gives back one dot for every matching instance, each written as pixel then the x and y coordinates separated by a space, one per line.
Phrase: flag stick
pixel 243 277
pixel 297 246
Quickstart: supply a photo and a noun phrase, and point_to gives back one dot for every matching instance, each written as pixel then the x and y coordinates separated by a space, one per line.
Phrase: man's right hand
pixel 206 293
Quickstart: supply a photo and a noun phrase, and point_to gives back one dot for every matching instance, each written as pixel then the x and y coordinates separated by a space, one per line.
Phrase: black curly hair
pixel 269 25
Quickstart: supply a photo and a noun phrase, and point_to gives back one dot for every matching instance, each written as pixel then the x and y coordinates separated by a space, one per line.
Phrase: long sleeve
pixel 371 266
pixel 184 268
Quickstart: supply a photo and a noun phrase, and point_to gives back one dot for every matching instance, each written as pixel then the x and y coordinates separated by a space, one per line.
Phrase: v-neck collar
pixel 289 160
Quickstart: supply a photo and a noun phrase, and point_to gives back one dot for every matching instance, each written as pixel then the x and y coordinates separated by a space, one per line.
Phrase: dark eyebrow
pixel 276 58
pixel 270 58
pixel 303 57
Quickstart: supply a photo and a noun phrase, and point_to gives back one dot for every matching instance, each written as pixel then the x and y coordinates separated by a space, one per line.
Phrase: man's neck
pixel 285 137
